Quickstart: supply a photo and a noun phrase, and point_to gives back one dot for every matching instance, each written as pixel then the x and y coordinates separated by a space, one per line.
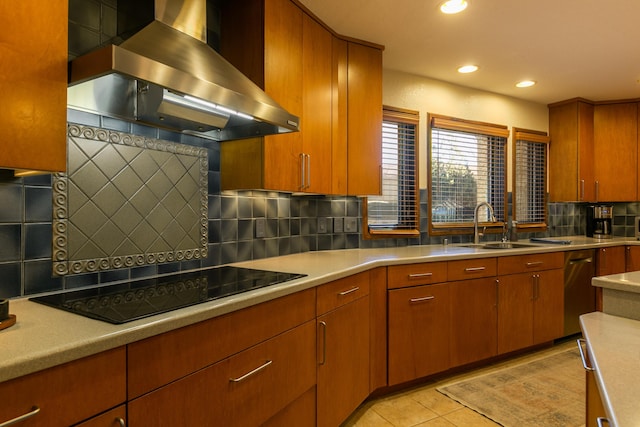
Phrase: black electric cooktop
pixel 124 302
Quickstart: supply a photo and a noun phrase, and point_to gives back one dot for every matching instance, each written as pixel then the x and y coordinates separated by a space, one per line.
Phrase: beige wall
pixel 433 96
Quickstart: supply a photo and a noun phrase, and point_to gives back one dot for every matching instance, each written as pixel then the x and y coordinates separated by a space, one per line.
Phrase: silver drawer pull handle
pixel 419 275
pixel 601 420
pixel 120 422
pixel 350 291
pixel 248 374
pixel 422 299
pixel 472 269
pixel 34 410
pixel 580 341
pixel 534 264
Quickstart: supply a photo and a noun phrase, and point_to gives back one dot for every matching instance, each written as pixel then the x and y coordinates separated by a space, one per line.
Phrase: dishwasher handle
pixel 581 260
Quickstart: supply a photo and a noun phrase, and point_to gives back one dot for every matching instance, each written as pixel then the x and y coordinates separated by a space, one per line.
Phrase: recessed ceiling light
pixel 468 69
pixel 453 6
pixel 525 83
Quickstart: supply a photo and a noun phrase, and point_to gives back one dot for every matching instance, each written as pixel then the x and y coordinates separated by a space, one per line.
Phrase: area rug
pixel 545 392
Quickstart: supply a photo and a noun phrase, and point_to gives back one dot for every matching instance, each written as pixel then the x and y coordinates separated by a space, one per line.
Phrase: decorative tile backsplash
pixel 127 201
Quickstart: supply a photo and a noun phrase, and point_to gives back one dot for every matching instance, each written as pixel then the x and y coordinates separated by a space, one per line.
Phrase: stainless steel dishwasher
pixel 579 295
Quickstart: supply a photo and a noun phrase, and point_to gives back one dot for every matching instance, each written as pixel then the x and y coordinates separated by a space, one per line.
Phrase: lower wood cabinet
pixel 68 394
pixel 530 309
pixel 246 389
pixel 610 260
pixel 343 348
pixel 116 417
pixel 419 323
pixel 632 258
pixel 474 320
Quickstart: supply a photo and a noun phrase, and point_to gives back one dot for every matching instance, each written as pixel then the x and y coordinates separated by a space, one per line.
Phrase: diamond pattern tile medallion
pixel 126 201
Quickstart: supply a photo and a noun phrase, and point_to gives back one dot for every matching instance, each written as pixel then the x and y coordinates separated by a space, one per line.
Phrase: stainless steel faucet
pixel 476 235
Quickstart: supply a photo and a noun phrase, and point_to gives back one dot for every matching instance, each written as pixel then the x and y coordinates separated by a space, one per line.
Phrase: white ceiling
pixel 572 48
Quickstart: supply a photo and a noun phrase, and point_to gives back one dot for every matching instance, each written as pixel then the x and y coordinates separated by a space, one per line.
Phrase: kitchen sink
pixel 500 245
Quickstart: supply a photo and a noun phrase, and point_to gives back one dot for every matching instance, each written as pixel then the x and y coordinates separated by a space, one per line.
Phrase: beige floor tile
pixel 434 400
pixel 437 422
pixel 366 417
pixel 403 411
pixel 465 417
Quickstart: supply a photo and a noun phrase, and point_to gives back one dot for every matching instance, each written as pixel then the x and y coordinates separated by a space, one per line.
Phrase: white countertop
pixel 628 282
pixel 613 344
pixel 43 337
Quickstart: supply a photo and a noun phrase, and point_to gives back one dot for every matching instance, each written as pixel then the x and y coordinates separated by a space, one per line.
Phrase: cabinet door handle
pixel 309 170
pixel 324 342
pixel 422 299
pixel 581 261
pixel 120 422
pixel 253 372
pixel 33 412
pixel 580 341
pixel 601 420
pixel 350 291
pixel 302 171
pixel 597 190
pixel 419 275
pixel 534 263
pixel 474 269
pixel 582 189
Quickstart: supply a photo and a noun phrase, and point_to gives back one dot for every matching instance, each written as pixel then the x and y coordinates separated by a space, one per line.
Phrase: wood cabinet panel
pixel 515 312
pixel 632 260
pixel 99 383
pixel 343 362
pixel 474 320
pixel 548 318
pixel 378 328
pixel 340 292
pixel 616 145
pixel 158 360
pixel 400 276
pixel 471 268
pixel 571 155
pixel 530 262
pixel 610 260
pixel 419 320
pixel 300 413
pixel 364 87
pixel 339 134
pixel 33 59
pixel 245 389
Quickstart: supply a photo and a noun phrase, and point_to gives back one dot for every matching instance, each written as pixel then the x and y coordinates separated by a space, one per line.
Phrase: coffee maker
pixel 599 221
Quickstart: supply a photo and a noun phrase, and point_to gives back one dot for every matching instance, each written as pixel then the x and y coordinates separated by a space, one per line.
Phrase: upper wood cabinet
pixel 33 59
pixel 333 85
pixel 571 154
pixel 615 140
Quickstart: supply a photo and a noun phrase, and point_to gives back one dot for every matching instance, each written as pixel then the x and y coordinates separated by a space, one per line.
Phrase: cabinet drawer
pixel 401 276
pixel 108 419
pixel 69 393
pixel 530 262
pixel 340 292
pixel 158 360
pixel 471 269
pixel 246 389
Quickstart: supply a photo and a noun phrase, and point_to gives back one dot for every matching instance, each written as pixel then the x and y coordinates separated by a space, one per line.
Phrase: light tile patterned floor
pixel 423 406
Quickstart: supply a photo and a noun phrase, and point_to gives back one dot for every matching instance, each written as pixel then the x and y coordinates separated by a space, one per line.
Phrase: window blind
pixel 530 179
pixel 467 167
pixel 397 207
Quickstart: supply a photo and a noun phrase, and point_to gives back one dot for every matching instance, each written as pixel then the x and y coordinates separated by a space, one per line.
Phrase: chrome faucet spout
pixel 476 235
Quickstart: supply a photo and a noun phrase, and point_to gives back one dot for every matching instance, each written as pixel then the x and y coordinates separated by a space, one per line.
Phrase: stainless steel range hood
pixel 166 75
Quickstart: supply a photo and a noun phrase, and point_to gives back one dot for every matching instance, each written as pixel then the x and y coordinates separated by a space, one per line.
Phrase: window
pixel 530 179
pixel 468 166
pixel 396 213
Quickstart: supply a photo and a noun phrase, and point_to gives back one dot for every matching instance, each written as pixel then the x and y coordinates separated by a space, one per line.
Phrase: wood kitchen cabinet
pixel 571 155
pixel 632 258
pixel 530 300
pixel 33 59
pixel 419 322
pixel 343 348
pixel 615 130
pixel 610 260
pixel 335 87
pixel 99 384
pixel 236 369
pixel 474 320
